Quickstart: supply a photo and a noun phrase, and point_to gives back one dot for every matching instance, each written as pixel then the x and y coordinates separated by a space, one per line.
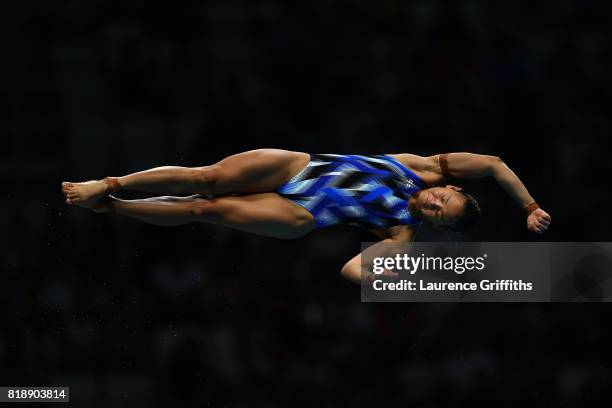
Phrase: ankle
pixel 112 185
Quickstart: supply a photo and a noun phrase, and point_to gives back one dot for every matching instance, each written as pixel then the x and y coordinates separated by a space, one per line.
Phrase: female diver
pixel 287 194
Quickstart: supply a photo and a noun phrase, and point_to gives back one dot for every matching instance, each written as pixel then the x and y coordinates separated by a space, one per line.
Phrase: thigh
pixel 266 214
pixel 258 171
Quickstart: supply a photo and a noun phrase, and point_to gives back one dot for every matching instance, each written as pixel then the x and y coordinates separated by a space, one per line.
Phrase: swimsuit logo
pixel 410 184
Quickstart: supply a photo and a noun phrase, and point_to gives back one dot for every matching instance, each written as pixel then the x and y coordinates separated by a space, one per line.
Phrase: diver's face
pixel 443 206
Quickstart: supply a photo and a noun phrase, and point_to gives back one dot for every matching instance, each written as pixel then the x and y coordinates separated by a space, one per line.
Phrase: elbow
pixel 350 274
pixel 345 272
pixel 495 164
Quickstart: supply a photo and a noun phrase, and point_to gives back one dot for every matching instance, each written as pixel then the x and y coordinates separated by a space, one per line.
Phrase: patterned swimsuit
pixel 366 191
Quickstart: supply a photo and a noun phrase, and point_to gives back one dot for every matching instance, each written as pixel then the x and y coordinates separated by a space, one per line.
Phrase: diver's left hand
pixel 538 221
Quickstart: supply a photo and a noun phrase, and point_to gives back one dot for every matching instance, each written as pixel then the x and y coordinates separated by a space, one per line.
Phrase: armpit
pixel 380 232
pixel 403 233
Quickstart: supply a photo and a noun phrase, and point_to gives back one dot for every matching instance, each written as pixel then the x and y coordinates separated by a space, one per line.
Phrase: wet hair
pixel 470 216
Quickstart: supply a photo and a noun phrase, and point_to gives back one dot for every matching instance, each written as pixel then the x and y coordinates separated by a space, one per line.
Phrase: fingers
pixel 544 217
pixel 539 221
pixel 539 229
pixel 536 227
pixel 541 214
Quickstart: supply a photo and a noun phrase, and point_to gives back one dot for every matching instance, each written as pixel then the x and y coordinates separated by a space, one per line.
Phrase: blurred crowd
pixel 125 312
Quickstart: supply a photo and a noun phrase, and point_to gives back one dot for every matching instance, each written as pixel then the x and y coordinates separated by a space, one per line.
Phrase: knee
pixel 206 178
pixel 205 210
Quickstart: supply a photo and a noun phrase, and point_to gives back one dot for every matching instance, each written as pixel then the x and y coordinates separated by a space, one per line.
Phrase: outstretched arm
pixel 470 165
pixel 352 270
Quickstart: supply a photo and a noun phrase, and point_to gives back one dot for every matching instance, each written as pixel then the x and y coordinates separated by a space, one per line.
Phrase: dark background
pixel 127 313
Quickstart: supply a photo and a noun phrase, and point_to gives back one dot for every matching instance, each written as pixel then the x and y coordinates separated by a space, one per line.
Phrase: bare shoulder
pixel 426 167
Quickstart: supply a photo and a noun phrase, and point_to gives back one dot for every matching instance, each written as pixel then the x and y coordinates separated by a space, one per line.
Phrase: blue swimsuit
pixel 366 191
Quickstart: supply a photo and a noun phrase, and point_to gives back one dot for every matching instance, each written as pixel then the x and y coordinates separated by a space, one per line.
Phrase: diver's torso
pixel 369 191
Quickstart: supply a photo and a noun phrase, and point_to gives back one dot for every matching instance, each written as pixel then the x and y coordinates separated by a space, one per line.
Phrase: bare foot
pixel 86 194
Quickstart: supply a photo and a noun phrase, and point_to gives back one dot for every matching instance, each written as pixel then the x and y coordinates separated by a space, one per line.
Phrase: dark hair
pixel 470 216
